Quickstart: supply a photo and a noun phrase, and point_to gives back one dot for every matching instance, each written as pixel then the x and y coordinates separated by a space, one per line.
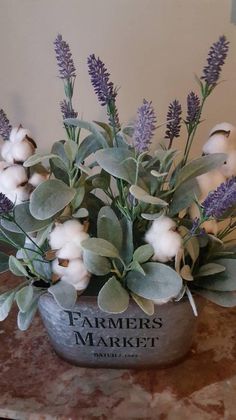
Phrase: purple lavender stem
pixel 144 126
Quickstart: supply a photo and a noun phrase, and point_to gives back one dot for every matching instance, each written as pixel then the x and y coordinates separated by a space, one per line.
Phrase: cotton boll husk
pixel 18 134
pixel 12 177
pixel 6 152
pixel 22 151
pixel 69 251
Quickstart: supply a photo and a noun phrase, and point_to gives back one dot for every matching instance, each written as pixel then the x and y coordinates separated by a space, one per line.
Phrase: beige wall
pixel 151 47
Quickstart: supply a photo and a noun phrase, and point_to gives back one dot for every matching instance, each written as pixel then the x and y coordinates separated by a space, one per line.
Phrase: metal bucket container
pixel 89 337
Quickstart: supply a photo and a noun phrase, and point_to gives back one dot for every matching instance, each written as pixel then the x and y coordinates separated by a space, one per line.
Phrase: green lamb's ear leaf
pixel 200 166
pixel 24 298
pixel 184 196
pixel 191 244
pixel 143 253
pixel 49 198
pixel 16 267
pixel 109 227
pixel 160 282
pixel 79 196
pixel 135 266
pixel 6 304
pixel 100 247
pixel 15 239
pixel 90 127
pixel 95 264
pixel 25 219
pixel 81 213
pixel 210 269
pixel 34 159
pixel 71 149
pixel 64 294
pixel 223 281
pixel 86 148
pixel 225 299
pixel 143 196
pixel 127 248
pixel 118 162
pixel 25 318
pixel 113 298
pixel 4 262
pixel 146 305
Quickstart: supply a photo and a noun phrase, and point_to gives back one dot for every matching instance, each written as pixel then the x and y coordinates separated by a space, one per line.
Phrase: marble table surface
pixel 36 384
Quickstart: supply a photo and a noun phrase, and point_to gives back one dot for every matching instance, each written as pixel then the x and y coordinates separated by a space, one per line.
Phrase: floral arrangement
pixel 103 215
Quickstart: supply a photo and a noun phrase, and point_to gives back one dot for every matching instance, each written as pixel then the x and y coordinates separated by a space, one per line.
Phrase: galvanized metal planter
pixel 87 336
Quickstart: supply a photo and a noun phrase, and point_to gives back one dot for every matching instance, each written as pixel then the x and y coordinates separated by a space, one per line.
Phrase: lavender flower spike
pixel 67 111
pixel 173 120
pixel 64 58
pixel 222 199
pixel 104 89
pixel 193 108
pixel 144 126
pixel 6 205
pixel 215 61
pixel 5 126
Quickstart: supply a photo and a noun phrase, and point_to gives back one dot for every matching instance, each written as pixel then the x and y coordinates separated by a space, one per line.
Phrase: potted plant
pixel 115 244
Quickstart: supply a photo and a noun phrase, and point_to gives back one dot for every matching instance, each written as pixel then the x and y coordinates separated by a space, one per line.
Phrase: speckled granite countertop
pixel 36 385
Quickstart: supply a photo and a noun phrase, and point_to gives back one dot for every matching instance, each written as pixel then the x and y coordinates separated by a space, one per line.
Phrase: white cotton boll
pixel 57 237
pixel 12 177
pixel 6 152
pixel 18 134
pixel 76 274
pixel 165 242
pixel 224 126
pixel 3 165
pixel 81 236
pixel 69 251
pixel 209 182
pixel 167 246
pixel 19 195
pixel 57 269
pixel 222 139
pixel 22 151
pixel 72 228
pixel 37 178
pixel 162 224
pixel 229 168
